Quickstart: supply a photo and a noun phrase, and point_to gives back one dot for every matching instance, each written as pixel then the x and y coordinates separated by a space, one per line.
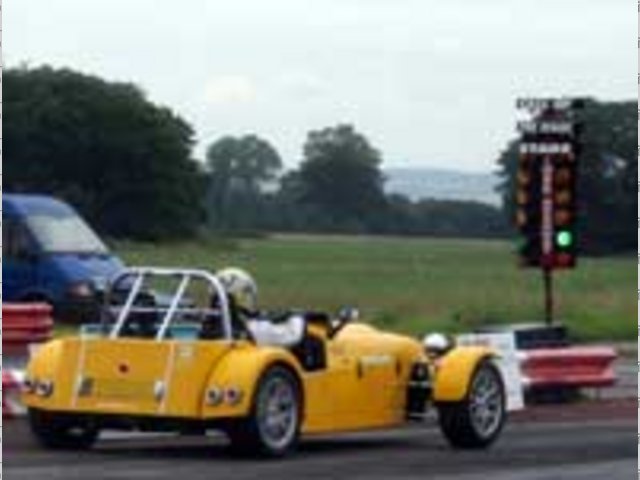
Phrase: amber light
pixel 562 197
pixel 523 177
pixel 563 176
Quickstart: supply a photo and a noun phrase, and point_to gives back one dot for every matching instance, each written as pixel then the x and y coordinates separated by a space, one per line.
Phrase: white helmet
pixel 241 286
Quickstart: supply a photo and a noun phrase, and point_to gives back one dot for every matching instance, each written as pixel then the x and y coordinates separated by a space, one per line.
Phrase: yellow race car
pixel 207 364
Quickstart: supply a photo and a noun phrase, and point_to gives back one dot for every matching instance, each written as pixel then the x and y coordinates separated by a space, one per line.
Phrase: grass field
pixel 415 285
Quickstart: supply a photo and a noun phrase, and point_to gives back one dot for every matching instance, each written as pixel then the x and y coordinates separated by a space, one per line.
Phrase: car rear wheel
pixel 57 431
pixel 477 420
pixel 273 427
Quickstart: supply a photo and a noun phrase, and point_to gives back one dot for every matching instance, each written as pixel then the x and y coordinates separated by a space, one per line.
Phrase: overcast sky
pixel 431 83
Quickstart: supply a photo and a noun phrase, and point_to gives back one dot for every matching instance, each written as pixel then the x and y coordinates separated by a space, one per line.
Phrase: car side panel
pixel 368 373
pixel 335 399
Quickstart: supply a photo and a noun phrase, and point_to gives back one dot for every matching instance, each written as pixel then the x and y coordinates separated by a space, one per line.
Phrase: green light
pixel 564 238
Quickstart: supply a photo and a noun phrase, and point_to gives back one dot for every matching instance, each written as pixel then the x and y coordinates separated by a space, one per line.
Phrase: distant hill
pixel 445 184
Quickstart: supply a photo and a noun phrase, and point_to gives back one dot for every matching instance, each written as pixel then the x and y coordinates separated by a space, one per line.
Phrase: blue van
pixel 50 254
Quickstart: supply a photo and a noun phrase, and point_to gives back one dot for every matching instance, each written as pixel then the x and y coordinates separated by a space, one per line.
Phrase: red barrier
pixel 11 388
pixel 24 324
pixel 568 367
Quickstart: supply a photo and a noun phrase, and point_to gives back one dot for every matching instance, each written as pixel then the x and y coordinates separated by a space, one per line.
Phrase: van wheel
pixel 476 421
pixel 273 427
pixel 62 432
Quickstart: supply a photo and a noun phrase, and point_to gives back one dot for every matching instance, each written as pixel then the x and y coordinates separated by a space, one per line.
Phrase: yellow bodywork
pixel 364 384
pixel 455 370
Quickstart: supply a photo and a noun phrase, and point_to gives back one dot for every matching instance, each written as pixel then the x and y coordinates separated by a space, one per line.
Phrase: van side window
pixel 15 239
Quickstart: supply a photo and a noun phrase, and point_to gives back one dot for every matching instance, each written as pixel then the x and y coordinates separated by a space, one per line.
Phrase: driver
pixel 242 292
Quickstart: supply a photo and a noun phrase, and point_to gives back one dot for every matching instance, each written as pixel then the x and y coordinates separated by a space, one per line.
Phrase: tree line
pixel 127 165
pixel 338 187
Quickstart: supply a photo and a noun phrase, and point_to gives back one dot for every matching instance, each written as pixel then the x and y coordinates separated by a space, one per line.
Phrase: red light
pixel 522 197
pixel 523 177
pixel 562 218
pixel 562 197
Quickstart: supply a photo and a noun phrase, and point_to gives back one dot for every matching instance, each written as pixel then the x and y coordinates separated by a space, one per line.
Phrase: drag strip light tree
pixel 546 188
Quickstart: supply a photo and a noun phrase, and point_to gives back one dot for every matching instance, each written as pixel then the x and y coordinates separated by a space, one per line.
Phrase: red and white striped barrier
pixel 11 388
pixel 549 373
pixel 23 325
pixel 570 367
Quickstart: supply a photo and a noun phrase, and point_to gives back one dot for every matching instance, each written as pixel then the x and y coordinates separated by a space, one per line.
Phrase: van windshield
pixel 64 234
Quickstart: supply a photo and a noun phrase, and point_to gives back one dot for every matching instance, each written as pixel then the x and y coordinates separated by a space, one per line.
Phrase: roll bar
pixel 140 274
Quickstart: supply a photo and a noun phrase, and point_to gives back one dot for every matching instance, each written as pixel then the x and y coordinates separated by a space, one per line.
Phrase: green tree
pixel 607 173
pixel 103 146
pixel 240 167
pixel 341 175
pixel 457 218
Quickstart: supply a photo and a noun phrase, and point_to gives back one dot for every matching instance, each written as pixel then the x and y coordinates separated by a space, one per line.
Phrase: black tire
pixel 462 423
pixel 251 436
pixel 62 432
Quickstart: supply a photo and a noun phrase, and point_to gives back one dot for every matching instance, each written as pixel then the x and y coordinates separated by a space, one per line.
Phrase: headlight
pixel 437 344
pixel 81 290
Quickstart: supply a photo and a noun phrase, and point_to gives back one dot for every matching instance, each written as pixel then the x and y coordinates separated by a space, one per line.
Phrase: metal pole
pixel 548 295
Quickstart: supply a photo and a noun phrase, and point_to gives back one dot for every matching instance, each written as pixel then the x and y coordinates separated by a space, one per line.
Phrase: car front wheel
pixel 477 420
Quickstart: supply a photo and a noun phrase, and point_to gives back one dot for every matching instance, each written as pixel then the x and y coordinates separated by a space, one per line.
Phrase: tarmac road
pixel 552 443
